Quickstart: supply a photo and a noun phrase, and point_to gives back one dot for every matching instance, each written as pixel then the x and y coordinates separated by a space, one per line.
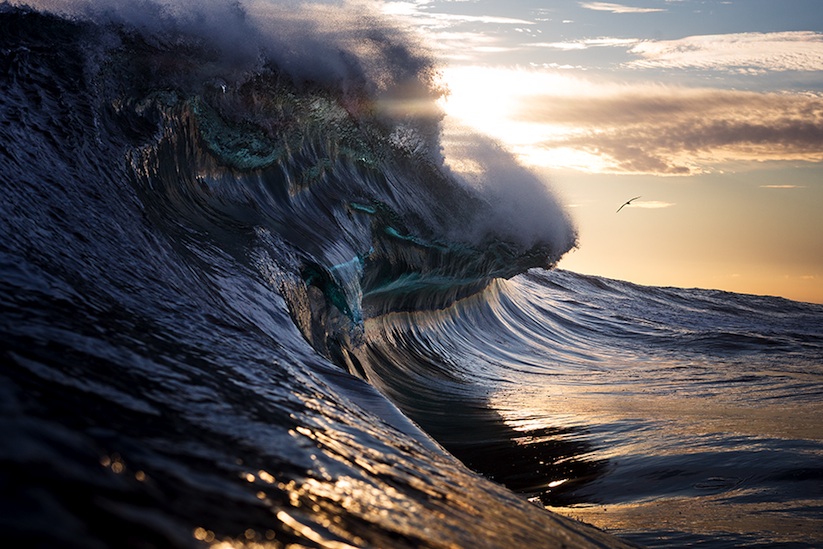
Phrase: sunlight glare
pixel 488 100
pixel 562 157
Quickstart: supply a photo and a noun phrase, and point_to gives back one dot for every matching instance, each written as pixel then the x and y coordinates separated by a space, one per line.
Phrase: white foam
pixel 525 209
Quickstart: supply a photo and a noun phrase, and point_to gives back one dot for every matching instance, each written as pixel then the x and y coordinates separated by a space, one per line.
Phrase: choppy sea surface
pixel 246 301
pixel 672 417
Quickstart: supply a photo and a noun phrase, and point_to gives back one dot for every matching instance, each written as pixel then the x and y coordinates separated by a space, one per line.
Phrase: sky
pixel 711 111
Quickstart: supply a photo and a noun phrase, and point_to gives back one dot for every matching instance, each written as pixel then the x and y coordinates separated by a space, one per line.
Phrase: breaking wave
pixel 249 296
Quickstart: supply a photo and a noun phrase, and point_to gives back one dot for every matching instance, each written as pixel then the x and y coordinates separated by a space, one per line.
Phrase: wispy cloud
pixel 455 36
pixel 782 186
pixel 776 51
pixel 651 204
pixel 560 121
pixel 617 8
pixel 413 9
pixel 676 131
pixel 587 43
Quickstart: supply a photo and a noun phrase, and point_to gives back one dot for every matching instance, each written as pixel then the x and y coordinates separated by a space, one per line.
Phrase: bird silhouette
pixel 627 203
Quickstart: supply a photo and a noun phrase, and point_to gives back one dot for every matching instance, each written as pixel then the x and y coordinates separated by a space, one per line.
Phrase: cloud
pixel 651 204
pixel 776 51
pixel 782 186
pixel 587 43
pixel 552 119
pixel 432 18
pixel 617 8
pixel 679 131
pixel 454 36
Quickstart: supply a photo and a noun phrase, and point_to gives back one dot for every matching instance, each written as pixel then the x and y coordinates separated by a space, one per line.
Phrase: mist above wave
pixel 377 69
pixel 525 210
pixel 333 42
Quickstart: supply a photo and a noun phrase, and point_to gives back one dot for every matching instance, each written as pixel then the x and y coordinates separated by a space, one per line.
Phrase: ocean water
pixel 249 299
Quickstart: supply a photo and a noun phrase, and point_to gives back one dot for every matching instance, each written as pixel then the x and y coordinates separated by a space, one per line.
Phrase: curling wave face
pixel 183 251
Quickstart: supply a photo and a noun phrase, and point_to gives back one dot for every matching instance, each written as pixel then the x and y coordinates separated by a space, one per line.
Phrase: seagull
pixel 627 203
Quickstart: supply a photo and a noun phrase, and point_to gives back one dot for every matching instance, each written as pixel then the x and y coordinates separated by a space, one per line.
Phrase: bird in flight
pixel 627 203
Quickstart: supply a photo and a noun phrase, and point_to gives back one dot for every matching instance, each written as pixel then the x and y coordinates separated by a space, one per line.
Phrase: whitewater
pixel 256 292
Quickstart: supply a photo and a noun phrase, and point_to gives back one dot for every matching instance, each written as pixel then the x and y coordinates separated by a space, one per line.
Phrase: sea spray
pixel 373 68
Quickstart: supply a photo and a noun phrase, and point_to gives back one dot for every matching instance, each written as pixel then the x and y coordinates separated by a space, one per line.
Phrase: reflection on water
pixel 713 468
pixel 543 463
pixel 668 417
pixel 705 520
pixel 537 459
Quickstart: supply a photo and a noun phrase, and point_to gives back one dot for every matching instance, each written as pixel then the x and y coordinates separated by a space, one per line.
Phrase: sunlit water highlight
pixel 667 416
